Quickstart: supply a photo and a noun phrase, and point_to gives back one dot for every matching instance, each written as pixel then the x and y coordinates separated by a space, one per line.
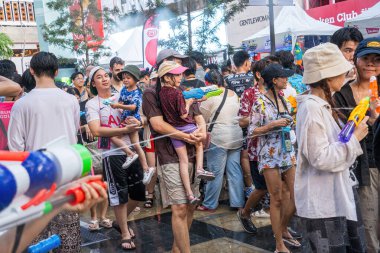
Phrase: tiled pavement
pixel 210 232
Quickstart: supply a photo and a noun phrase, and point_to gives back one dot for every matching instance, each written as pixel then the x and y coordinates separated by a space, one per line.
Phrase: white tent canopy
pixel 126 45
pixel 294 21
pixel 368 22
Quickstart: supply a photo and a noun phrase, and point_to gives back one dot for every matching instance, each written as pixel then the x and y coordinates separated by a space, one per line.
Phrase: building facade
pixel 18 21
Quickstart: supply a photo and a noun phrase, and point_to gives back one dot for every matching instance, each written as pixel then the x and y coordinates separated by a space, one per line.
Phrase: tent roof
pixel 371 13
pixel 126 45
pixel 294 20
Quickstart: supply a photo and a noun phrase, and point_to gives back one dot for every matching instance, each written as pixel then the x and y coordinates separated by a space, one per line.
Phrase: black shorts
pixel 257 178
pixel 123 183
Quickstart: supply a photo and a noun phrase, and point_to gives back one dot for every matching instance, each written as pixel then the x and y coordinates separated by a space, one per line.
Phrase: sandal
pixel 93 225
pixel 193 200
pixel 206 175
pixel 106 223
pixel 149 201
pixel 291 242
pixel 205 209
pixel 133 236
pixel 129 241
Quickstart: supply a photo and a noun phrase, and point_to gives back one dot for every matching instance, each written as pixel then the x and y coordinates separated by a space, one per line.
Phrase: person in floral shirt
pixel 270 114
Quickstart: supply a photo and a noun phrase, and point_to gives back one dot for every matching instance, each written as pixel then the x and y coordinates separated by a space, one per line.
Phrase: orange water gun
pixel 374 90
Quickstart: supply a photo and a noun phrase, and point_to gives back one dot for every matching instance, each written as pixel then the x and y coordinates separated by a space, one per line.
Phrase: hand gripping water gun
pixel 109 101
pixel 198 93
pixel 355 118
pixel 374 90
pixel 57 164
pixel 293 102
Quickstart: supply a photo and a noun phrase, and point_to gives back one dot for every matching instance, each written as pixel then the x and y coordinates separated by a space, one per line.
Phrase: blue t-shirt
pixel 133 97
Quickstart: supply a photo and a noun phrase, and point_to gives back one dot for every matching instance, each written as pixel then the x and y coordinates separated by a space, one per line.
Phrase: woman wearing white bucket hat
pixel 324 193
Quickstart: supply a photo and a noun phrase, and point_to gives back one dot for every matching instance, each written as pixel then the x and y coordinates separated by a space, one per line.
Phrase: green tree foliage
pixel 68 23
pixel 5 46
pixel 183 37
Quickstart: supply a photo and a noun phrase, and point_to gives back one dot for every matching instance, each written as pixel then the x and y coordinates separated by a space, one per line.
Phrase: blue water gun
pixel 46 245
pixel 198 93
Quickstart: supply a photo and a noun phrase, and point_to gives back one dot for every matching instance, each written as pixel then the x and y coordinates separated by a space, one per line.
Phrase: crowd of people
pixel 280 160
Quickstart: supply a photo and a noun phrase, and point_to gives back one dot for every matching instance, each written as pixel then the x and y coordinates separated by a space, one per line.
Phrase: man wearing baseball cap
pixel 172 190
pixel 367 63
pixel 169 55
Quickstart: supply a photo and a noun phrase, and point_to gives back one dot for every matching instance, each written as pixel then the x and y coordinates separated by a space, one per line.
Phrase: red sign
pixel 5 113
pixel 340 12
pixel 91 22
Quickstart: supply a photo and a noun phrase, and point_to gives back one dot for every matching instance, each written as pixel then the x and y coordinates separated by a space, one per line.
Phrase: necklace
pixel 357 94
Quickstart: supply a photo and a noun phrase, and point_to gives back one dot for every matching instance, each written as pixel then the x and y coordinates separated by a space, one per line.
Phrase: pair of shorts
pixel 189 128
pixel 123 183
pixel 171 186
pixel 281 169
pixel 257 178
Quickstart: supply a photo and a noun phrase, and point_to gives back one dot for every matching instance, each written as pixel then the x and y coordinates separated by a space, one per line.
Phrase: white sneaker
pixel 130 160
pixel 261 214
pixel 148 175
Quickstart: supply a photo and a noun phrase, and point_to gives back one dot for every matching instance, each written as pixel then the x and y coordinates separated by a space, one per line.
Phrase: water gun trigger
pixel 40 197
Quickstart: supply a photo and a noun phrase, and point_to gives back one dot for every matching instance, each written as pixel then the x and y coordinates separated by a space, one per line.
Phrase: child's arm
pixel 123 107
pixel 188 102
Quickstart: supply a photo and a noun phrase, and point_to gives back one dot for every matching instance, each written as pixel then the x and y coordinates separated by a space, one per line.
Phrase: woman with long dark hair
pixel 324 193
pixel 270 122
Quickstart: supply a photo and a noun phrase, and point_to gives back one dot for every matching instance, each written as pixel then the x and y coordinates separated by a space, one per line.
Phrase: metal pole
pixel 271 28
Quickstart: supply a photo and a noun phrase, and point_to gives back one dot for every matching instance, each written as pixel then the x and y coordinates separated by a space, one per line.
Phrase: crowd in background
pixel 272 133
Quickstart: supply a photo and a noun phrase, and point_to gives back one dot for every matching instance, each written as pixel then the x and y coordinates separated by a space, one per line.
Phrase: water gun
pixel 109 101
pixel 198 93
pixel 374 90
pixel 293 102
pixel 82 113
pixel 355 118
pixel 46 245
pixel 298 54
pixel 27 179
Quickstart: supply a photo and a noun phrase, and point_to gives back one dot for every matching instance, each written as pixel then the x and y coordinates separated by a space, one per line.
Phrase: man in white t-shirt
pixel 40 117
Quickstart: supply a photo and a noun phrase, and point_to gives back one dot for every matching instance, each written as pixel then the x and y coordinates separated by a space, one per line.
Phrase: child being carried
pixel 176 112
pixel 130 102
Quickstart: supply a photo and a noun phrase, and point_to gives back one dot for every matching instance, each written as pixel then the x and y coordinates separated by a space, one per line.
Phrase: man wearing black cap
pixel 367 63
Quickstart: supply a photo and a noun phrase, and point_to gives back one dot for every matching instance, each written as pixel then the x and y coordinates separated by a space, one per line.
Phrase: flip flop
pixel 106 223
pixel 93 226
pixel 292 242
pixel 129 241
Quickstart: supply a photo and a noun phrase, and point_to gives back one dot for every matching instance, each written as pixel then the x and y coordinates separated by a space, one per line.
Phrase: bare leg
pixel 118 141
pixel 103 209
pixel 180 229
pixel 136 144
pixel 94 215
pixel 151 159
pixel 274 184
pixel 122 220
pixel 244 161
pixel 199 156
pixel 252 201
pixel 184 169
pixel 288 202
